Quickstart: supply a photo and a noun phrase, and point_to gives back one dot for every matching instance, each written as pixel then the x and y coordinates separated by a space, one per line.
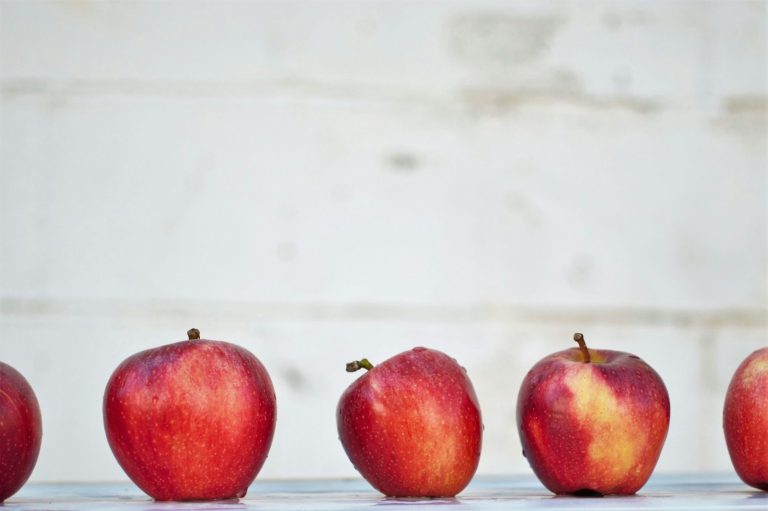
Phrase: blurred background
pixel 321 181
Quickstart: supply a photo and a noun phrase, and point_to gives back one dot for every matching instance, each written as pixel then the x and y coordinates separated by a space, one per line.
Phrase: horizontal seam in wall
pixel 480 97
pixel 477 313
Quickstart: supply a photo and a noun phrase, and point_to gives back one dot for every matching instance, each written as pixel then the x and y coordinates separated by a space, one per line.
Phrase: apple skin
pixel 21 431
pixel 192 420
pixel 412 425
pixel 745 420
pixel 592 428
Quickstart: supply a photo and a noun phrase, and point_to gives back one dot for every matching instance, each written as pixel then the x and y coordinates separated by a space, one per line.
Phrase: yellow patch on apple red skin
pixel 745 420
pixel 413 442
pixel 592 426
pixel 192 420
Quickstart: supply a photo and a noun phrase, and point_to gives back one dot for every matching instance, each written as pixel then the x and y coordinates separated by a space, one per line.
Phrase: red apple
pixel 745 420
pixel 21 431
pixel 411 425
pixel 592 421
pixel 191 420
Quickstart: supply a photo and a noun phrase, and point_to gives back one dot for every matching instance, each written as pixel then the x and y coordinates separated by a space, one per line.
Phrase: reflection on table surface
pixel 674 492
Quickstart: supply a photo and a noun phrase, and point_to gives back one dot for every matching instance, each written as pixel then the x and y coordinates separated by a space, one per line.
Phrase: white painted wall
pixel 318 181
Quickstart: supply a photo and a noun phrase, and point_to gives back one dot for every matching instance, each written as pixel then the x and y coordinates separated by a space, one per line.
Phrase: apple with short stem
pixel 192 420
pixel 411 425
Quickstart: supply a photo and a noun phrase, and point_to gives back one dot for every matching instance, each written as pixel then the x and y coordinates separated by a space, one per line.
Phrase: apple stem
pixel 579 338
pixel 193 334
pixel 359 364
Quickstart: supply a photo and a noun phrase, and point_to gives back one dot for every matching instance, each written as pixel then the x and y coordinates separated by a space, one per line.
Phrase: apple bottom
pixel 179 468
pixel 615 468
pixel 186 495
pixel 757 484
pixel 19 445
pixel 417 452
pixel 748 450
pixel 425 471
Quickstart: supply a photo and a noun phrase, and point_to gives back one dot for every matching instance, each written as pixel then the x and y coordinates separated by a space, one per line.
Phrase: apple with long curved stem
pixel 21 431
pixel 411 425
pixel 745 420
pixel 191 420
pixel 592 421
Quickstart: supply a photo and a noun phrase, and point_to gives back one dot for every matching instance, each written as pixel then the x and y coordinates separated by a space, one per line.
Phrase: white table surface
pixel 674 492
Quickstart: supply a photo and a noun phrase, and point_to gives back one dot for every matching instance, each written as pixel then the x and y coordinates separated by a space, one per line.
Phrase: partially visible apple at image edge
pixel 21 431
pixel 745 420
